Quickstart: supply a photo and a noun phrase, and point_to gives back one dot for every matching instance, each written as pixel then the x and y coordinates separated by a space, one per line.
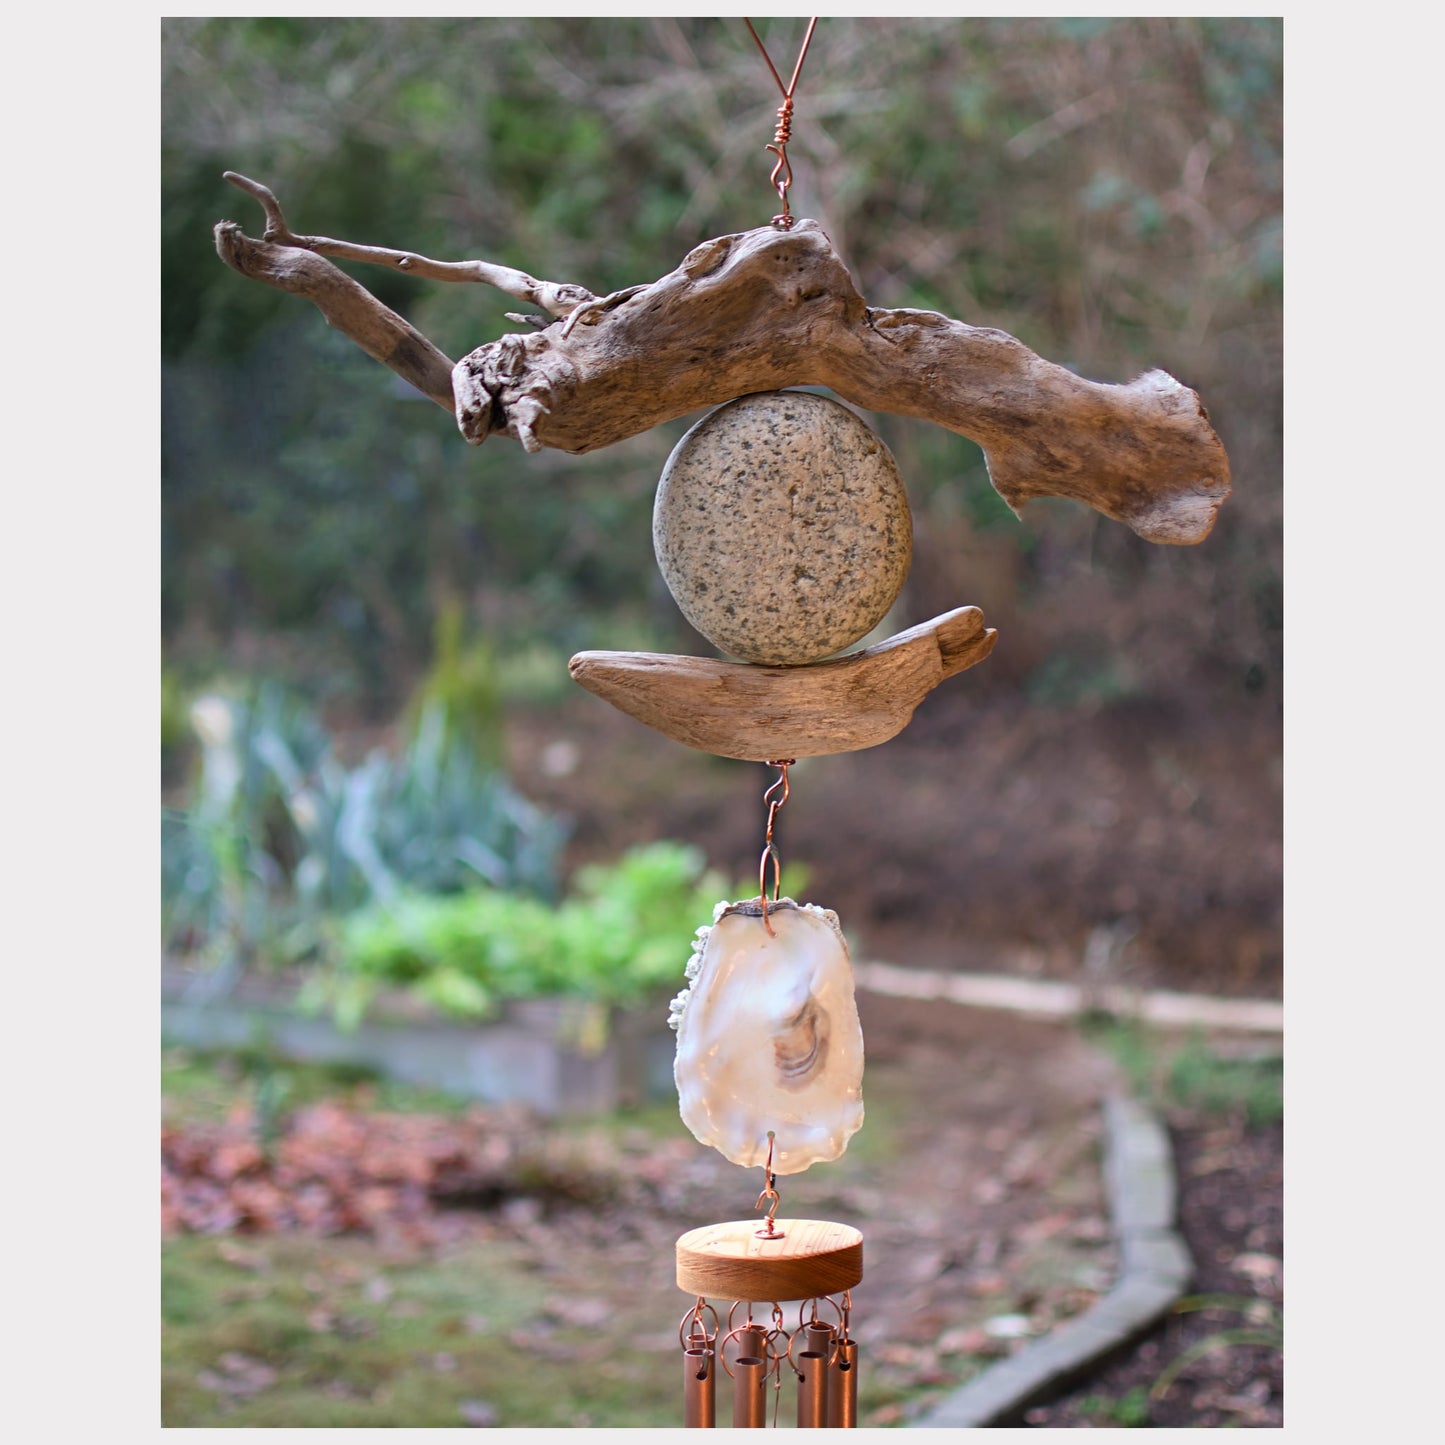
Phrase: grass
pixel 301 1332
pixel 1263 1324
pixel 292 1331
pixel 1127 1411
pixel 1192 1073
pixel 268 1331
pixel 199 1087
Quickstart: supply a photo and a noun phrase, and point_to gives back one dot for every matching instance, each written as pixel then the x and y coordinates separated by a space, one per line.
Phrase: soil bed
pixel 1231 1216
pixel 989 836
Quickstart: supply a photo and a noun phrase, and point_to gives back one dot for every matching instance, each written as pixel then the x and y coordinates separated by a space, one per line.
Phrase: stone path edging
pixel 1154 1273
pixel 1050 998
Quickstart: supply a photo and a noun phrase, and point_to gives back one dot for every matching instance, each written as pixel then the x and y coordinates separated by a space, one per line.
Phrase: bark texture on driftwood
pixel 756 713
pixel 759 311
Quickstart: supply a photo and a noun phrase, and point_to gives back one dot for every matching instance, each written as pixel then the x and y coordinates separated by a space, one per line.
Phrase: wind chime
pixel 783 532
pixel 782 529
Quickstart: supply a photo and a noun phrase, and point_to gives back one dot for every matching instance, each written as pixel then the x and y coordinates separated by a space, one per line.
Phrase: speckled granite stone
pixel 782 528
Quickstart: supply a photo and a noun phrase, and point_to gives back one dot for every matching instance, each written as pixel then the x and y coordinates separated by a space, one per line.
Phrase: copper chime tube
pixel 843 1386
pixel 750 1377
pixel 753 1342
pixel 821 1338
pixel 812 1371
pixel 699 1393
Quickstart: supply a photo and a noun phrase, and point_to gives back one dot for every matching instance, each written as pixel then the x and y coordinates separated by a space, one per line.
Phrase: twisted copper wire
pixel 784 132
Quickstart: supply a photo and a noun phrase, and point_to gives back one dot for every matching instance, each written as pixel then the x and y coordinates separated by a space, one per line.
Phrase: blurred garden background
pixel 380 789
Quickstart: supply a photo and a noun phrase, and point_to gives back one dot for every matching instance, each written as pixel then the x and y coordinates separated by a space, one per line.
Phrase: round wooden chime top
pixel 811 1258
pixel 782 528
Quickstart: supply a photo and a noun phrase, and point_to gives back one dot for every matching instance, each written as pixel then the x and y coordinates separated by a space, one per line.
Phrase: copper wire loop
pixel 769 851
pixel 772 1355
pixel 694 1317
pixel 792 1340
pixel 827 1299
pixel 749 1323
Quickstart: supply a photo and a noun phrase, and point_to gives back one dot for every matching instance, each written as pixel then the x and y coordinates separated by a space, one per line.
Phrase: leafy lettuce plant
pixel 621 936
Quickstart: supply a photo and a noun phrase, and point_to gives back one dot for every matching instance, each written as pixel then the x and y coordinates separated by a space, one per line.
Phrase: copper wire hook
pixel 770 1193
pixel 784 131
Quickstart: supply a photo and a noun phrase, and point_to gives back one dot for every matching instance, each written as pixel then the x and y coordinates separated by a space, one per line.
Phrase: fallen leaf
pixel 478 1413
pixel 986 1286
pixel 241 1257
pixel 963 1340
pixel 1259 1266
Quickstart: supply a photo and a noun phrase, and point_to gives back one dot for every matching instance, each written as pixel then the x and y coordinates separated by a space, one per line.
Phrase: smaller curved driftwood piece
pixel 755 713
pixel 760 311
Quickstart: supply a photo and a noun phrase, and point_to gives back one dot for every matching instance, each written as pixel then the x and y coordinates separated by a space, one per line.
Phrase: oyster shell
pixel 768 1037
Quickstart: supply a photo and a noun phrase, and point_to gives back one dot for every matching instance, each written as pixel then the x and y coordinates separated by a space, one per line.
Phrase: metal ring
pixel 695 1315
pixel 751 1323
pixel 827 1299
pixel 834 1331
pixel 774 1354
pixel 722 1349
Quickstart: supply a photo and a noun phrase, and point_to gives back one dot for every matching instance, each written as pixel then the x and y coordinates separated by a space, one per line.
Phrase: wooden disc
pixel 732 1261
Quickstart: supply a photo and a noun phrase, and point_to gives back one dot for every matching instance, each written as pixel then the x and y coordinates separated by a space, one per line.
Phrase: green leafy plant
pixel 1193 1074
pixel 462 689
pixel 1129 1410
pixel 620 936
pixel 1202 1079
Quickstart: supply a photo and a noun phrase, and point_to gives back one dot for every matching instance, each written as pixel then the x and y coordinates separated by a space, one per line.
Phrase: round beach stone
pixel 782 528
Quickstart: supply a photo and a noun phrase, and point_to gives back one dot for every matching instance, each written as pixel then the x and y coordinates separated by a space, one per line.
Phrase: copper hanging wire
pixel 782 176
pixel 770 852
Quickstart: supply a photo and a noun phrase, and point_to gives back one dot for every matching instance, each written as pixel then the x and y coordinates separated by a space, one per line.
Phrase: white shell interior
pixel 768 1037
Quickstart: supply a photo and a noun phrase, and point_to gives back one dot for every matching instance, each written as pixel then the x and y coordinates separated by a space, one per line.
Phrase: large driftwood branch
pixel 767 309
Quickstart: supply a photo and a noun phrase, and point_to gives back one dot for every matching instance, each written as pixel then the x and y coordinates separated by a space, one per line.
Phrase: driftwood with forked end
pixel 758 311
pixel 757 713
